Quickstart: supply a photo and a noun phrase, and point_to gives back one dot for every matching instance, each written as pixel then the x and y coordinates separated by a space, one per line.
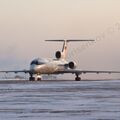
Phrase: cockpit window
pixel 34 62
pixel 39 61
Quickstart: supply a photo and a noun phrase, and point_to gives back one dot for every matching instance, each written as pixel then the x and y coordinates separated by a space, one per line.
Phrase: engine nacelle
pixel 58 54
pixel 72 65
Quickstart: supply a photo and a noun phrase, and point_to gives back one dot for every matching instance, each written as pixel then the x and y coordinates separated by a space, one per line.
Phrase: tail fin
pixel 65 44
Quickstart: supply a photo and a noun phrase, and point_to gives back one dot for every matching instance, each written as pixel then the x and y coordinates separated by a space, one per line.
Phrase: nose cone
pixel 37 64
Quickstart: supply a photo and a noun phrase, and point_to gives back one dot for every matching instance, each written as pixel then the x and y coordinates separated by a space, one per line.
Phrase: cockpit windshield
pixel 39 61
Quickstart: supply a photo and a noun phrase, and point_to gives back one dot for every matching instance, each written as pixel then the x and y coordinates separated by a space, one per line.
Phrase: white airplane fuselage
pixel 41 66
pixel 48 66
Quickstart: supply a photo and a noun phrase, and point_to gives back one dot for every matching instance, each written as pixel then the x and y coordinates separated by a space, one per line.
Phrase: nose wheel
pixel 38 77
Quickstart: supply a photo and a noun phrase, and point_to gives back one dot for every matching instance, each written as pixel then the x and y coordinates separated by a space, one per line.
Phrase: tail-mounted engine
pixel 58 54
pixel 72 65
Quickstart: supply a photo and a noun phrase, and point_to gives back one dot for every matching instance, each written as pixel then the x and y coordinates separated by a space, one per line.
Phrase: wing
pixel 78 72
pixel 16 71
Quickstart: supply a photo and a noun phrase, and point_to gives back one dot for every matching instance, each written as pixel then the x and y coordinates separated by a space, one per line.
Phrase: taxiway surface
pixel 60 100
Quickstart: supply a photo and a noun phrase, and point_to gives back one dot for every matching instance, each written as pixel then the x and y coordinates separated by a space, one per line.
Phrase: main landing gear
pixel 77 78
pixel 31 78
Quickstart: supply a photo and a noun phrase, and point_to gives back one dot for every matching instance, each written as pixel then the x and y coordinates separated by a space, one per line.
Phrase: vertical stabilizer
pixel 64 49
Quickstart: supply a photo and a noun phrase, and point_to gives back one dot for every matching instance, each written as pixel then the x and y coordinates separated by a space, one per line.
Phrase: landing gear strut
pixel 31 78
pixel 77 78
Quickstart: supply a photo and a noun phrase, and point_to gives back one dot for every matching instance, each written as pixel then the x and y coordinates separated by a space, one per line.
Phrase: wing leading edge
pixel 65 71
pixel 85 71
pixel 16 71
pixel 76 72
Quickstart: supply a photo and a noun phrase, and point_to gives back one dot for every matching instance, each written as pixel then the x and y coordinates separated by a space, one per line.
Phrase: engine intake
pixel 58 54
pixel 72 65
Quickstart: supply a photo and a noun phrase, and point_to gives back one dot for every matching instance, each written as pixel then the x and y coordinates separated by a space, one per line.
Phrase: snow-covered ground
pixel 60 100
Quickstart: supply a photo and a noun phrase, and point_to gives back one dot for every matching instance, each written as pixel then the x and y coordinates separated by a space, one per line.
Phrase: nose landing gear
pixel 37 78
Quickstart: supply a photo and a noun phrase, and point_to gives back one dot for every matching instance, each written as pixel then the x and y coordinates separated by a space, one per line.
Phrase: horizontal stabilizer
pixel 69 40
pixel 64 49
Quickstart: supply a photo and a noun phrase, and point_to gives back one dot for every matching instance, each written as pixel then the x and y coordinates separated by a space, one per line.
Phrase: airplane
pixel 59 65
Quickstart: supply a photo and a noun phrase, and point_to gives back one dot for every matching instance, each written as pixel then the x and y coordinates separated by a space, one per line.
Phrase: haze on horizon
pixel 25 24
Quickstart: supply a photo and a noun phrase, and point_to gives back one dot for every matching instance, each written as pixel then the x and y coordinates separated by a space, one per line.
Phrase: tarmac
pixel 60 100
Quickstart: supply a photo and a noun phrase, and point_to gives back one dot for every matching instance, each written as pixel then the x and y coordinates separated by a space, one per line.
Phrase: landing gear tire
pixel 78 79
pixel 38 79
pixel 31 78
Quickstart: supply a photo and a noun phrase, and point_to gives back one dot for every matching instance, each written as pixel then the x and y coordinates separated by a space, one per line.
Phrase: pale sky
pixel 25 24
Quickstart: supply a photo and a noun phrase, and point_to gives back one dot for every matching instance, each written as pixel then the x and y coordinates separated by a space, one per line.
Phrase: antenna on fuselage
pixel 64 49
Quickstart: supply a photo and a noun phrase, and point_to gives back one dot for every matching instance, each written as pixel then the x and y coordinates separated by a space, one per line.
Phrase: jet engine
pixel 72 65
pixel 58 54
